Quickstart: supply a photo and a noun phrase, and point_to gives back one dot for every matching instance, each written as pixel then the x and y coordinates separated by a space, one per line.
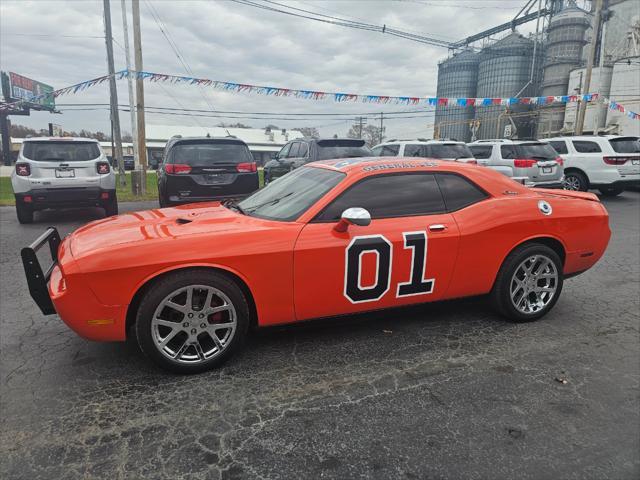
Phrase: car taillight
pixel 247 167
pixel 524 162
pixel 102 167
pixel 472 162
pixel 177 168
pixel 615 160
pixel 23 169
pixel 560 161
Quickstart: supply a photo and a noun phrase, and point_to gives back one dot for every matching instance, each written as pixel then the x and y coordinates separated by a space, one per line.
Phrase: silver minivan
pixel 531 162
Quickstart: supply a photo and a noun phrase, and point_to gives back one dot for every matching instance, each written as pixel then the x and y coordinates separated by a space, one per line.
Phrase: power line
pixel 343 22
pixel 167 35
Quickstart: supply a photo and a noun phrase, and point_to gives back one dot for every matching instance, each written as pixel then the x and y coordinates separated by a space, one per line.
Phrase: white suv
pixel 440 149
pixel 54 172
pixel 609 163
pixel 531 161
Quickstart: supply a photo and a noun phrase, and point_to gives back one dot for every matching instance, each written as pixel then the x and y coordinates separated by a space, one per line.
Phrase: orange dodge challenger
pixel 331 238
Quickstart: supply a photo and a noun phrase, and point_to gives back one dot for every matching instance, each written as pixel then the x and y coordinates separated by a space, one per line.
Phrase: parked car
pixel 530 161
pixel 332 238
pixel 440 149
pixel 607 163
pixel 62 172
pixel 201 169
pixel 129 162
pixel 304 150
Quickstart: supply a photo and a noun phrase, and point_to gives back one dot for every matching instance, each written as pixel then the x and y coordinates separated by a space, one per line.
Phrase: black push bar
pixel 37 279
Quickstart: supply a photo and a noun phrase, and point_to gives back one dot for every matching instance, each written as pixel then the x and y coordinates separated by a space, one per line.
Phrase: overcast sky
pixel 62 43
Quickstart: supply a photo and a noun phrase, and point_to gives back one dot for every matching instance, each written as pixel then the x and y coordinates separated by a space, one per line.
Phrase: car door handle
pixel 438 227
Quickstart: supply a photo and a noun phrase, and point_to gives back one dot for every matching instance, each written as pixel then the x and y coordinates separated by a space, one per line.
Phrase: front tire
pixel 24 213
pixel 192 321
pixel 611 191
pixel 528 284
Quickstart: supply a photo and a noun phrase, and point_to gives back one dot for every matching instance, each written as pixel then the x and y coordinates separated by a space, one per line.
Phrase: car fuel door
pixel 390 262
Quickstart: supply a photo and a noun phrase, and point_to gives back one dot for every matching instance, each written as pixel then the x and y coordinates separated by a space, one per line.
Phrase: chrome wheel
pixel 534 284
pixel 572 183
pixel 194 324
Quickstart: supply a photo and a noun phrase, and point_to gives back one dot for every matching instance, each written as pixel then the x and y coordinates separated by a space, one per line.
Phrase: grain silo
pixel 457 77
pixel 505 71
pixel 566 37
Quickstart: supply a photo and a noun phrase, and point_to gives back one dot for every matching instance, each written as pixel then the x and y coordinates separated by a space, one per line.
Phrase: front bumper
pixel 65 197
pixel 67 295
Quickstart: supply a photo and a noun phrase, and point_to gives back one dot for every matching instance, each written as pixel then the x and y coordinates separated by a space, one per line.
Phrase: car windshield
pixel 449 150
pixel 625 144
pixel 329 149
pixel 542 151
pixel 204 153
pixel 288 197
pixel 61 151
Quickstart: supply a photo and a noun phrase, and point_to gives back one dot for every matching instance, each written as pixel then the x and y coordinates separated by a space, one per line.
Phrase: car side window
pixel 481 151
pixel 508 151
pixel 386 150
pixel 388 196
pixel 413 151
pixel 285 151
pixel 458 192
pixel 560 147
pixel 295 148
pixel 303 151
pixel 583 146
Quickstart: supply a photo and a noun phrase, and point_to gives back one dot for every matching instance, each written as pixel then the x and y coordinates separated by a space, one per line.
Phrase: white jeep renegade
pixel 62 172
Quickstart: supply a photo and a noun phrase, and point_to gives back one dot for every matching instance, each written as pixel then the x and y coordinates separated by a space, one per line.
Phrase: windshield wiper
pixel 234 206
pixel 270 202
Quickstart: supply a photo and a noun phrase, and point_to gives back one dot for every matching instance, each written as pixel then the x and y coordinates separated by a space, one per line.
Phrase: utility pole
pixel 381 127
pixel 137 47
pixel 360 121
pixel 132 100
pixel 582 107
pixel 113 93
pixel 5 127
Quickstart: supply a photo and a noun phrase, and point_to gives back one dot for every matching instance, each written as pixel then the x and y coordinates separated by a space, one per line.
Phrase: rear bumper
pixel 619 183
pixel 173 199
pixel 65 197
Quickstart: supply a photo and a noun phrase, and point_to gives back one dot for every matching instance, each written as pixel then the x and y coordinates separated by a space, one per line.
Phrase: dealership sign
pixel 16 88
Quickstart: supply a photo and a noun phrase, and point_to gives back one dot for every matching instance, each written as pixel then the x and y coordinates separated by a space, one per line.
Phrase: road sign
pixel 507 130
pixel 17 87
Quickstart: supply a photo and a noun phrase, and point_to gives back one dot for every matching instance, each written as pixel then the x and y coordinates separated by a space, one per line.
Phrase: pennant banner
pixel 340 97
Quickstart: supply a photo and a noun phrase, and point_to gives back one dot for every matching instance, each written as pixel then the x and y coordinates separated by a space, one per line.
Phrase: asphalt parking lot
pixel 441 391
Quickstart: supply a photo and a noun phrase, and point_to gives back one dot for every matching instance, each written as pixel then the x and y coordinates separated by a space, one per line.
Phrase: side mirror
pixel 353 216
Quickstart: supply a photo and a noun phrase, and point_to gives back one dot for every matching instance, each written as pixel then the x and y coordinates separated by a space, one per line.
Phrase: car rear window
pixel 449 150
pixel 538 151
pixel 203 153
pixel 625 144
pixel 329 149
pixel 61 151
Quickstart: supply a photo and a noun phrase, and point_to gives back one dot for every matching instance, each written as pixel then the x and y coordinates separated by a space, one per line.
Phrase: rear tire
pixel 111 207
pixel 526 289
pixel 170 318
pixel 24 213
pixel 576 181
pixel 164 203
pixel 611 191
